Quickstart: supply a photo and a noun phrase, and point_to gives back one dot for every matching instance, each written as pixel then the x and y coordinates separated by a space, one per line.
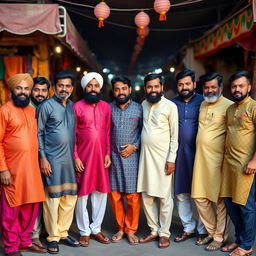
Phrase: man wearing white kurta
pixel 159 143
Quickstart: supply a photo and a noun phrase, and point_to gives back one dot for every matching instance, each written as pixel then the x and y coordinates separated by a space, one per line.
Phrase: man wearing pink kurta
pixel 92 158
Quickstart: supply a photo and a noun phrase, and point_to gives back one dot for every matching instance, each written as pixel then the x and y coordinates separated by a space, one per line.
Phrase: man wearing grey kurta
pixel 159 143
pixel 56 123
pixel 125 142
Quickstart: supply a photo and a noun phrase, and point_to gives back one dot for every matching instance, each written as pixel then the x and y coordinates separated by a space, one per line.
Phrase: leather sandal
pixel 183 237
pixel 84 241
pixel 229 248
pixel 241 252
pixel 149 238
pixel 132 239
pixel 34 248
pixel 117 237
pixel 37 242
pixel 100 237
pixel 164 242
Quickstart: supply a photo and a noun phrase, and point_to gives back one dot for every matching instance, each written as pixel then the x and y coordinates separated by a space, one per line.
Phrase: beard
pixel 92 99
pixel 36 101
pixel 123 100
pixel 62 97
pixel 239 98
pixel 186 95
pixel 22 103
pixel 213 98
pixel 154 99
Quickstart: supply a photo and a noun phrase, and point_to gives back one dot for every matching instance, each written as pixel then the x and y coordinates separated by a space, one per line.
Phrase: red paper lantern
pixel 101 11
pixel 142 34
pixel 142 20
pixel 162 7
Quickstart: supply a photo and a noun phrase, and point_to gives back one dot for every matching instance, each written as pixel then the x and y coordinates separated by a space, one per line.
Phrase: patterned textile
pixel 126 129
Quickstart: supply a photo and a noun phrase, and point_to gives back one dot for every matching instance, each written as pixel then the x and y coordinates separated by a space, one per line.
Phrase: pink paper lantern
pixel 101 11
pixel 162 7
pixel 142 20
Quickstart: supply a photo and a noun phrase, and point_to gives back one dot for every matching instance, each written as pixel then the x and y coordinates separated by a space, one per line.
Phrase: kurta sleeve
pixel 75 146
pixel 108 130
pixel 3 123
pixel 42 115
pixel 137 140
pixel 174 128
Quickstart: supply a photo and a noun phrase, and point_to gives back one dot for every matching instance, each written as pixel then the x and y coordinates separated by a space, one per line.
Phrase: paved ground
pixel 123 248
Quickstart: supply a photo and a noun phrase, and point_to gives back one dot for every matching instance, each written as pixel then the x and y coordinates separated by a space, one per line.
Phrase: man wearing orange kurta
pixel 21 187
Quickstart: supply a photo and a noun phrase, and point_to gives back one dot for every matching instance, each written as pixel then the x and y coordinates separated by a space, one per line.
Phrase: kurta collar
pixel 33 104
pixel 58 100
pixel 126 106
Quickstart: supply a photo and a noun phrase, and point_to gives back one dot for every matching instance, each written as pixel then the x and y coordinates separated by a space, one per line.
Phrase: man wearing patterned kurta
pixel 239 167
pixel 125 142
pixel 56 124
pixel 188 103
pixel 92 158
pixel 159 143
pixel 208 162
pixel 21 187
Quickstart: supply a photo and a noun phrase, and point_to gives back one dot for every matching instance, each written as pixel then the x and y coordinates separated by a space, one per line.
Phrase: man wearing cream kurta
pixel 159 143
pixel 238 176
pixel 208 161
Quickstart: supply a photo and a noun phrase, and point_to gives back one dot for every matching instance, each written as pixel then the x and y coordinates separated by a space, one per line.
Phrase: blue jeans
pixel 244 218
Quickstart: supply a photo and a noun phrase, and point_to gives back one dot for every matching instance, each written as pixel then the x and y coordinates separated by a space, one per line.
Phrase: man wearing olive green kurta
pixel 208 161
pixel 239 167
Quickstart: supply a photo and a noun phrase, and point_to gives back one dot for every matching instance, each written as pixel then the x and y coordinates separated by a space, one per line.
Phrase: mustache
pixel 63 91
pixel 185 90
pixel 22 94
pixel 121 95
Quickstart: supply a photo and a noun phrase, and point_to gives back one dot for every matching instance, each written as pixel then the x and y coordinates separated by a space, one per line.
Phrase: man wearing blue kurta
pixel 188 103
pixel 127 121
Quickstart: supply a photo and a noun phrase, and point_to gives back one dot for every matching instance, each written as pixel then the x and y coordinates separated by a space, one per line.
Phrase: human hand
pixel 5 177
pixel 127 151
pixel 250 168
pixel 107 162
pixel 79 165
pixel 45 167
pixel 169 168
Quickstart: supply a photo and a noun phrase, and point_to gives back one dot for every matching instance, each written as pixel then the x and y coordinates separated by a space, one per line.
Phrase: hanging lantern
pixel 101 11
pixel 142 20
pixel 162 7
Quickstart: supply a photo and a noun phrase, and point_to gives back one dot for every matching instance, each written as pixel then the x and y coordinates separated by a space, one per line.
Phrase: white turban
pixel 88 77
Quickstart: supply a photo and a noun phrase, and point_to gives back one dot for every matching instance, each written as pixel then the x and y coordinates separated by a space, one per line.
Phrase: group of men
pixel 125 151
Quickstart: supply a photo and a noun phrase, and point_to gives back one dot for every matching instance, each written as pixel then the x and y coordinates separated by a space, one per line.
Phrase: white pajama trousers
pixel 99 202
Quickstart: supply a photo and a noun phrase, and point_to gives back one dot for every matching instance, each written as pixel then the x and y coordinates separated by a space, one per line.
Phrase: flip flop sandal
pixel 204 241
pixel 213 246
pixel 53 245
pixel 119 236
pixel 131 239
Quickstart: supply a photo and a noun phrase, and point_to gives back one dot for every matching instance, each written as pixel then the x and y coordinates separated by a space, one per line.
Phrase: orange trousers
pixel 128 220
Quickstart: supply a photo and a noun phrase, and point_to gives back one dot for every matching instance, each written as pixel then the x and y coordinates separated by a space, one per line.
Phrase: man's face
pixel 186 87
pixel 212 91
pixel 39 93
pixel 63 88
pixel 121 92
pixel 20 94
pixel 240 88
pixel 92 93
pixel 153 90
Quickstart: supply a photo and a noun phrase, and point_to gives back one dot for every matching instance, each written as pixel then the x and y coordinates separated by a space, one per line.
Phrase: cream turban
pixel 16 80
pixel 88 77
